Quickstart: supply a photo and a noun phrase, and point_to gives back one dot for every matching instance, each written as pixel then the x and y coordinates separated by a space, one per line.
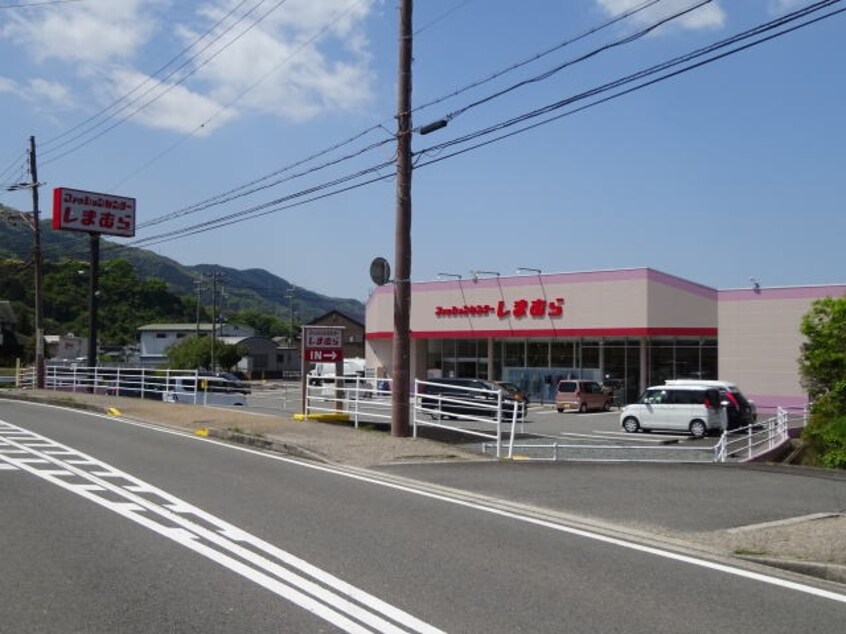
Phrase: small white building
pixel 155 339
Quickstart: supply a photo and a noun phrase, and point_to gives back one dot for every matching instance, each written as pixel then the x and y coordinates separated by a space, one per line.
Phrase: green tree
pixel 265 324
pixel 195 353
pixel 822 366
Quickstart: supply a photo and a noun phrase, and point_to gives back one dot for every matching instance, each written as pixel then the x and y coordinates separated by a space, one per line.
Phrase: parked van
pixel 581 395
pixel 695 409
pixel 741 411
pixel 210 391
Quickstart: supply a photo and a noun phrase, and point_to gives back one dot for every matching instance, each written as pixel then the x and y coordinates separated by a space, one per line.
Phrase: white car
pixel 696 409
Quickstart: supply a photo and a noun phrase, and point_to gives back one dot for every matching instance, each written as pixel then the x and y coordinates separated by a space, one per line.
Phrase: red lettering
pixel 537 308
pixel 520 307
pixel 556 308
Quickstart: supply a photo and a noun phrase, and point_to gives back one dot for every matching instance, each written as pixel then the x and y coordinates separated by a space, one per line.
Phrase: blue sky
pixel 728 172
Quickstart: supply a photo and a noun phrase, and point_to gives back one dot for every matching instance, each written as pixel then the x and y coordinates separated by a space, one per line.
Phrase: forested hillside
pixel 139 287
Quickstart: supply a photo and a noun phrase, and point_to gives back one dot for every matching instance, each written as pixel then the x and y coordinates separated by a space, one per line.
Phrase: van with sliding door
pixel 693 409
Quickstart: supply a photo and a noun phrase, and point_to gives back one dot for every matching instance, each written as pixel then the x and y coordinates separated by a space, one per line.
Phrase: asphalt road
pixel 108 526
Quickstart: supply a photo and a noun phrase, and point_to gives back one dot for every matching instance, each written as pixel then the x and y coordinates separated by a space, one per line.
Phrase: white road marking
pixel 407 488
pixel 345 606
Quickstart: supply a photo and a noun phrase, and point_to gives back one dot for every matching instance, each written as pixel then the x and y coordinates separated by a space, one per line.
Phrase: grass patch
pixel 750 552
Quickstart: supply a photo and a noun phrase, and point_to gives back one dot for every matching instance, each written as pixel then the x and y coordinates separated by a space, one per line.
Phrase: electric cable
pixel 168 89
pixel 149 78
pixel 267 208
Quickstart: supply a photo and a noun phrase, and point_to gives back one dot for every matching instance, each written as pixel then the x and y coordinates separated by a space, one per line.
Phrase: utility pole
pixel 290 294
pixel 401 360
pixel 37 264
pixel 216 276
pixel 213 316
pixel 199 287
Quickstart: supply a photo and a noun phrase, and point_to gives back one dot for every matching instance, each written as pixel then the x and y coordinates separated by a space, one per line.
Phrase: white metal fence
pixel 485 414
pixel 753 441
pixel 738 445
pixel 189 386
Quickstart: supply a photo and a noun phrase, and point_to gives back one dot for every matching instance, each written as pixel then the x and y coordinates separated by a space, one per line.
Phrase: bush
pixel 825 436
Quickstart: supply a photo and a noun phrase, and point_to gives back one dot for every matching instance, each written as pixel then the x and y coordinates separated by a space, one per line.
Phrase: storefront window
pixel 515 354
pixel 537 354
pixel 561 353
pixel 590 354
pixel 688 364
pixel 661 361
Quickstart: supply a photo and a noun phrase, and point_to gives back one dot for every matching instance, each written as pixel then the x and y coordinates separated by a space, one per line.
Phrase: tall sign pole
pixel 93 297
pixel 401 360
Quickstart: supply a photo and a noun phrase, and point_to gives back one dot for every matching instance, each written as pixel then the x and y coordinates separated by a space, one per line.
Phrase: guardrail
pixel 750 442
pixel 363 399
pixel 133 382
pixel 497 416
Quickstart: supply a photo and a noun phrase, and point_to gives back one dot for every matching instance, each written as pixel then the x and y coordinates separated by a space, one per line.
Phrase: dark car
pixel 468 397
pixel 230 382
pixel 513 391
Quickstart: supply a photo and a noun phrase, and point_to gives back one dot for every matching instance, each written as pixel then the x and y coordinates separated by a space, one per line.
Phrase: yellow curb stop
pixel 113 411
pixel 202 432
pixel 332 418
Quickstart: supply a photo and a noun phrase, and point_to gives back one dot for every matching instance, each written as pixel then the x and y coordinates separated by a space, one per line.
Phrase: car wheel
pixel 698 429
pixel 582 408
pixel 560 410
pixel 607 406
pixel 631 425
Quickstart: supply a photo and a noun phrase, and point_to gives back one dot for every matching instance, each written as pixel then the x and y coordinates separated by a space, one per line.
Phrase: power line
pixel 35 4
pixel 168 89
pixel 147 80
pixel 631 78
pixel 248 188
pixel 268 208
pixel 537 56
pixel 246 91
pixel 582 58
pixel 298 198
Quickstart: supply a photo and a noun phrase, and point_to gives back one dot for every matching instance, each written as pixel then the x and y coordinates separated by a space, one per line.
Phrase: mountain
pixel 254 289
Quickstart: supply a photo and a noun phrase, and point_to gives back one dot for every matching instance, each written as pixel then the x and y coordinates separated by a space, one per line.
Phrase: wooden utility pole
pixel 37 261
pixel 400 391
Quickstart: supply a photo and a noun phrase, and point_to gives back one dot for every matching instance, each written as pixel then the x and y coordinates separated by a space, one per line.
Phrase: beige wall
pixel 760 342
pixel 610 303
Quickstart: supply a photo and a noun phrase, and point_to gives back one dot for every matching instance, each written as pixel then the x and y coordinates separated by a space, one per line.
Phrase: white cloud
pixel 708 16
pixel 169 107
pixel 780 6
pixel 52 92
pixel 301 59
pixel 93 32
pixel 8 85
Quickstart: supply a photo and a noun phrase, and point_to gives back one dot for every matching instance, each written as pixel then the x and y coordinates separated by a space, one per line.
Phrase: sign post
pixel 321 344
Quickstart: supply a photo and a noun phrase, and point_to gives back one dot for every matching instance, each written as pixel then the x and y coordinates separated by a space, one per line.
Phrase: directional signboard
pixel 323 344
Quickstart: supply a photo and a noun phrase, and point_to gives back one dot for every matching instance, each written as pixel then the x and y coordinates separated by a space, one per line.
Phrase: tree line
pixel 125 302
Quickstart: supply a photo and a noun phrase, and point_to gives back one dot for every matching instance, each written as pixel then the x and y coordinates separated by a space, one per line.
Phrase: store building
pixel 626 328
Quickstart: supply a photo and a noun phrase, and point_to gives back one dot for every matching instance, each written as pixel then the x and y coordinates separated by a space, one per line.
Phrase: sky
pixel 276 120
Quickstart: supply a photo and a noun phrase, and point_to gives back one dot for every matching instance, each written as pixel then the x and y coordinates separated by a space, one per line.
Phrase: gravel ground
pixel 814 545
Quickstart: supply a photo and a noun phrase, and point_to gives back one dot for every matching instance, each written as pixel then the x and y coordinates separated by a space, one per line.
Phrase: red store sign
pixel 520 308
pixel 76 210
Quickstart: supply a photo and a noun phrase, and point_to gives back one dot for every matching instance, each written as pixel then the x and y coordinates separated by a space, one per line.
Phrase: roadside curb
pixel 829 572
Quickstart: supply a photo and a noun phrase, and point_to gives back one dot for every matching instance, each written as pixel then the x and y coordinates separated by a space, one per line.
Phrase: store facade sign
pixel 521 308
